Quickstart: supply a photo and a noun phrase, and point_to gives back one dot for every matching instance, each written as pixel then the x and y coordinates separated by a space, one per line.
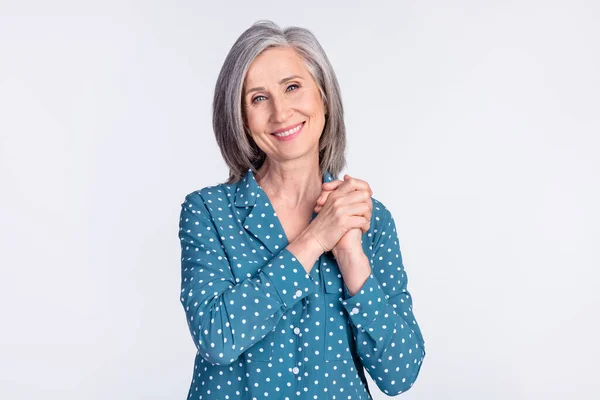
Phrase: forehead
pixel 273 64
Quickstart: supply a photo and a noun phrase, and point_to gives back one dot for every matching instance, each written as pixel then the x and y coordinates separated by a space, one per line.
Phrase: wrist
pixel 324 249
pixel 355 268
pixel 306 249
pixel 349 254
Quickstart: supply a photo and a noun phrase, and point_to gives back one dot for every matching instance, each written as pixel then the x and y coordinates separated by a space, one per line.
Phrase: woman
pixel 292 281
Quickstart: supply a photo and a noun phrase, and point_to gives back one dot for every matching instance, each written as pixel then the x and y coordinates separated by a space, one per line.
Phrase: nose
pixel 281 110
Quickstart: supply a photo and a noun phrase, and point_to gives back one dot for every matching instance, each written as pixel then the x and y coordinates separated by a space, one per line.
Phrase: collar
pixel 248 188
pixel 250 194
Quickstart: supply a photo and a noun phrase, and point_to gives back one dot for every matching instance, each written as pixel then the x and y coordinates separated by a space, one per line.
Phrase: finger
pixel 362 183
pixel 355 196
pixel 357 221
pixel 322 199
pixel 349 197
pixel 332 185
pixel 365 228
pixel 356 183
pixel 351 184
pixel 318 207
pixel 356 209
pixel 369 215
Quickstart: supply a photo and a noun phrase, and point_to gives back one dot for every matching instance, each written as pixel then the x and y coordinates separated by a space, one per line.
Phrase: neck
pixel 290 185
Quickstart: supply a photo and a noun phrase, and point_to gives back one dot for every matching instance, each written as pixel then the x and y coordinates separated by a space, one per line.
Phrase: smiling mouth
pixel 288 131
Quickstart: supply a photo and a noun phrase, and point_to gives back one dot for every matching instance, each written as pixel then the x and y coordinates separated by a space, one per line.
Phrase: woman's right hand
pixel 348 206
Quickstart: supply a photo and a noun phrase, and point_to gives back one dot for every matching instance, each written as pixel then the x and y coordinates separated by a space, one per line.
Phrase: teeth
pixel 288 133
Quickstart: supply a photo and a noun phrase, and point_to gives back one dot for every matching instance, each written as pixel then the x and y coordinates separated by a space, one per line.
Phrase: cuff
pixel 289 278
pixel 364 307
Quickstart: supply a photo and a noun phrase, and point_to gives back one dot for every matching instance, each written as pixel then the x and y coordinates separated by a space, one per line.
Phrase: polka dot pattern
pixel 265 329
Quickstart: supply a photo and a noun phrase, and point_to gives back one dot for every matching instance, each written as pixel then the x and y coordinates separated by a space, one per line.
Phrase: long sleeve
pixel 388 339
pixel 226 317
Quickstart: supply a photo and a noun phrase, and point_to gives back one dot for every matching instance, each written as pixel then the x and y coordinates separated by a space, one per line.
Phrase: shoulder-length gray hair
pixel 239 151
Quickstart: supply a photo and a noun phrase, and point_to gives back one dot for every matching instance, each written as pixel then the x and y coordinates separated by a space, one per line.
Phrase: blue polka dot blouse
pixel 265 329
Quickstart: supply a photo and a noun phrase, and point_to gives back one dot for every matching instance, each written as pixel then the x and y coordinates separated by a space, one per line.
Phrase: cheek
pixel 255 119
pixel 311 104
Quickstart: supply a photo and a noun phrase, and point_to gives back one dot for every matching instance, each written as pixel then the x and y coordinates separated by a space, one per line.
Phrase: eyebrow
pixel 289 78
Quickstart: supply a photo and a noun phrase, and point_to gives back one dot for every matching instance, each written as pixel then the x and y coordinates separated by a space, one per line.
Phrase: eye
pixel 257 97
pixel 293 85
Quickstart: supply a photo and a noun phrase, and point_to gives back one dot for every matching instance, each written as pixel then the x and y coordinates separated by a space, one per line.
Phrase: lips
pixel 286 128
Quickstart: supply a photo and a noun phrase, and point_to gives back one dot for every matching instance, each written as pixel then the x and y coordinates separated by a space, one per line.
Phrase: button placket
pixel 295 328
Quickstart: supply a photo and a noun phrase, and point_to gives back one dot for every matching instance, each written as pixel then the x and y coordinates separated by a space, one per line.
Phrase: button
pixel 296 330
pixel 295 370
pixel 298 293
pixel 354 311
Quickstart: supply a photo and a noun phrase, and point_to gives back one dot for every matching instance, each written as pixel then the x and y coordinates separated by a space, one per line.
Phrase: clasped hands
pixel 345 206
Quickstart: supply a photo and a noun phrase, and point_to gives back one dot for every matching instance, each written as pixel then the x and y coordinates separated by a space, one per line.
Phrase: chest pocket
pixel 338 332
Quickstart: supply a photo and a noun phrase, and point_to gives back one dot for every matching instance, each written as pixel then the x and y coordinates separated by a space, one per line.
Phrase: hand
pixel 348 189
pixel 329 187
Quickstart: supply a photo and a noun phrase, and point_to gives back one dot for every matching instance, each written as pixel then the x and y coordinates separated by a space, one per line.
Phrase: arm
pixel 225 318
pixel 388 338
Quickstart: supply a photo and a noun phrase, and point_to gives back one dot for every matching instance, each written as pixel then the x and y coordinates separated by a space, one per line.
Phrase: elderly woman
pixel 292 280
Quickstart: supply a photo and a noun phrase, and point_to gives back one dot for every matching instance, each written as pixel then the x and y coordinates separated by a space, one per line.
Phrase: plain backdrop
pixel 475 122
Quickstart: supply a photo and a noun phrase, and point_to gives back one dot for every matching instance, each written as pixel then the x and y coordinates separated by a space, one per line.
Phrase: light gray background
pixel 475 122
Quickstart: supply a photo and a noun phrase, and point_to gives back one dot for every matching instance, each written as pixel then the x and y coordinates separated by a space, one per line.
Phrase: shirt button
pixel 296 330
pixel 298 293
pixel 354 311
pixel 295 370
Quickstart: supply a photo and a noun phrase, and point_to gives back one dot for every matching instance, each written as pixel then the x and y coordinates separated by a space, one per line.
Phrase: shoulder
pixel 209 198
pixel 383 226
pixel 380 214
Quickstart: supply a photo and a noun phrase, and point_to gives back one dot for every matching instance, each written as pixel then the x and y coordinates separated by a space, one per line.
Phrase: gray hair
pixel 238 149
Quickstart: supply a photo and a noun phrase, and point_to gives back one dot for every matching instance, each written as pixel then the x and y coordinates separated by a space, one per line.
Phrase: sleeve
pixel 225 318
pixel 388 339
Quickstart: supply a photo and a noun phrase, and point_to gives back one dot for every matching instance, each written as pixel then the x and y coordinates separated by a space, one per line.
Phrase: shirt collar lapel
pixel 262 221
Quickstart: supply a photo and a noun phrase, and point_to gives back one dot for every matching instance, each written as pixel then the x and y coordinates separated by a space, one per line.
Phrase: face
pixel 284 110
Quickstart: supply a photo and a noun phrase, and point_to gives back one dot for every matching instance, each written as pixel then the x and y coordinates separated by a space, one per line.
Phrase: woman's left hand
pixel 351 241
